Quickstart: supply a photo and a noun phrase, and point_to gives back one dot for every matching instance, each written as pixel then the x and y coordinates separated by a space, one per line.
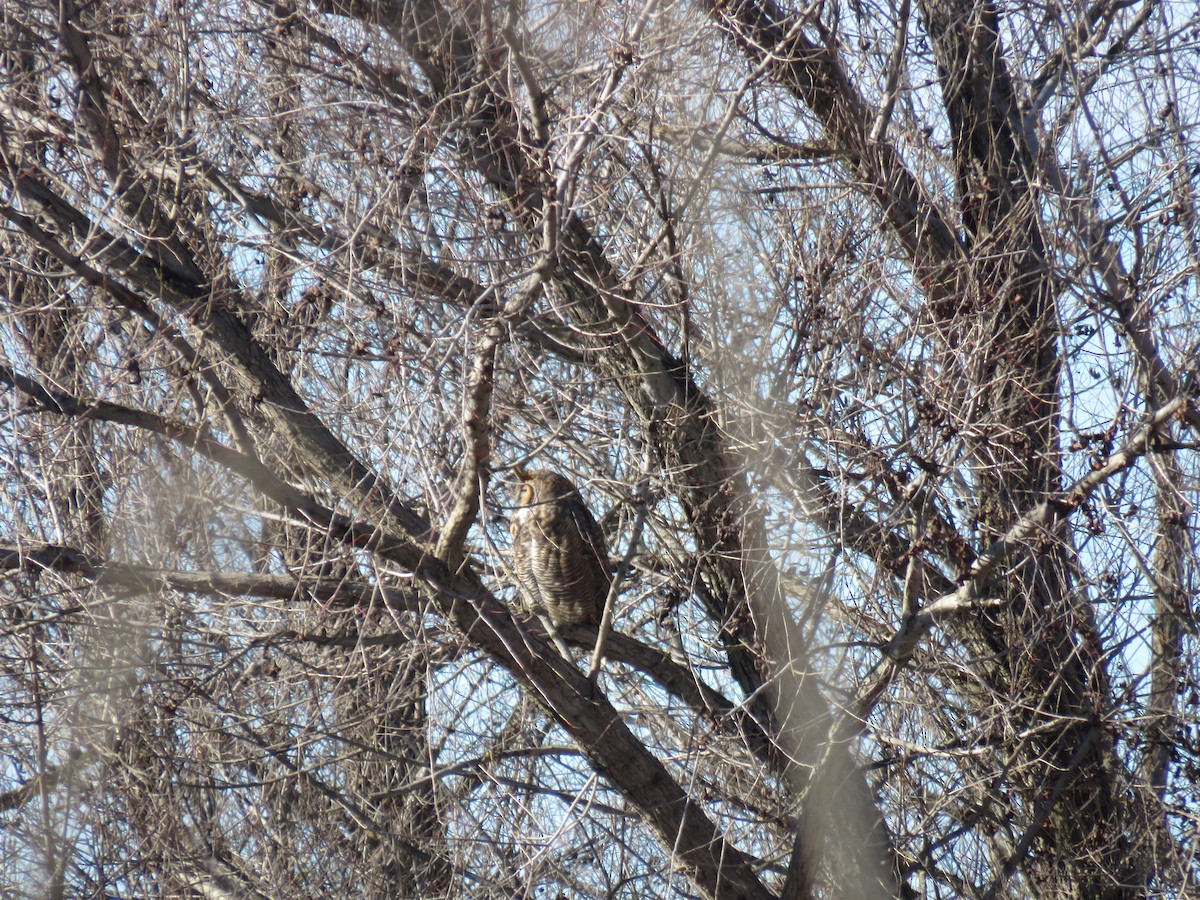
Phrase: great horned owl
pixel 559 554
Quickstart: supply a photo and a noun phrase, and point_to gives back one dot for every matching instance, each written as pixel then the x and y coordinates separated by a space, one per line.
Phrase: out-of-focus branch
pixel 256 474
pixel 33 558
pixel 718 868
pixel 1170 580
pixel 211 304
pixel 46 781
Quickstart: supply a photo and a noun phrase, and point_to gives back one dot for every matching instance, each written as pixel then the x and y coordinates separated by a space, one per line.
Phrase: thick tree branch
pixel 973 592
pixel 676 414
pixel 816 76
pixel 717 867
pixel 211 306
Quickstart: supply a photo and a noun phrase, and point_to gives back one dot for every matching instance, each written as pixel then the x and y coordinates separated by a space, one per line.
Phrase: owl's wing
pixel 595 548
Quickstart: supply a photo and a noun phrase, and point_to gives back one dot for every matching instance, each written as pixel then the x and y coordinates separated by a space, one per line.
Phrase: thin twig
pixel 971 594
pixel 643 506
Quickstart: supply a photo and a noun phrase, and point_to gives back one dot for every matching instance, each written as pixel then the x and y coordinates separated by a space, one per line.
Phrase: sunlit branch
pixel 972 594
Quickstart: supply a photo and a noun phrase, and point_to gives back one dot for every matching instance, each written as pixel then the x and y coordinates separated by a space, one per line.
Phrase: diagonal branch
pixel 212 304
pixel 814 74
pixel 972 593
pixel 322 450
pixel 717 867
pixel 679 418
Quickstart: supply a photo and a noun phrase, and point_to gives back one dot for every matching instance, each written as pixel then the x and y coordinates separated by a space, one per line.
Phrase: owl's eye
pixel 526 494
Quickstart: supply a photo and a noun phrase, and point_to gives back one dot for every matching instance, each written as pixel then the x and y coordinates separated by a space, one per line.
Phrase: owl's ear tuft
pixel 521 472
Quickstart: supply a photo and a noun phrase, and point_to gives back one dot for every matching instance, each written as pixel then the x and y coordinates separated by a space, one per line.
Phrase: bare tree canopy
pixel 866 333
